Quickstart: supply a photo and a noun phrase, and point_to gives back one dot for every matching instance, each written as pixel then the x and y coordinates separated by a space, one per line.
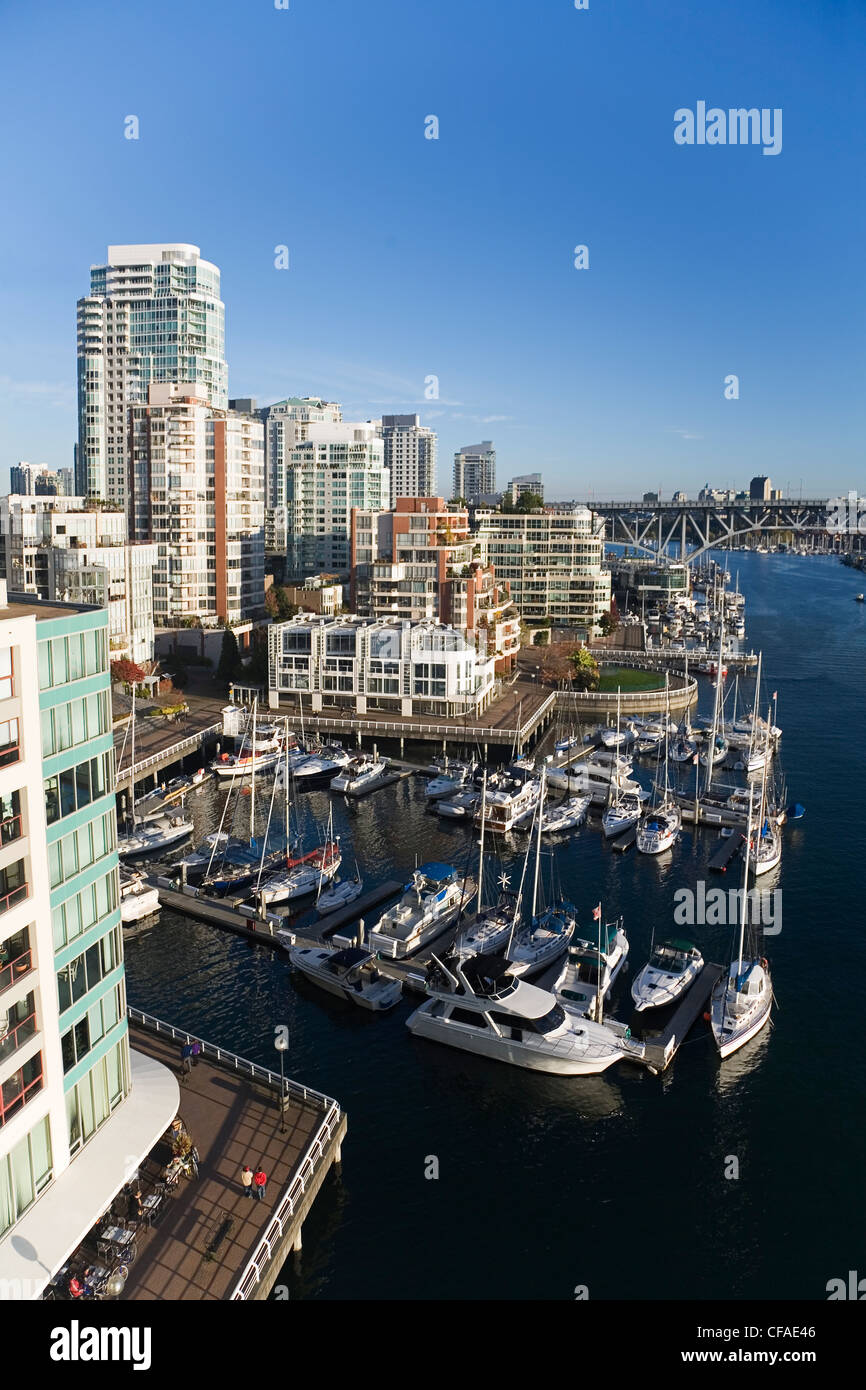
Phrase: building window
pixel 9 752
pixel 75 788
pixel 85 971
pixel 10 818
pixel 13 885
pixel 7 685
pixel 91 1100
pixel 24 1173
pixel 20 1088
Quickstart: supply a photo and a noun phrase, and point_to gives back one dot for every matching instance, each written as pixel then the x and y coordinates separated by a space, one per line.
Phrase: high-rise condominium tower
pixel 410 455
pixel 475 471
pixel 154 314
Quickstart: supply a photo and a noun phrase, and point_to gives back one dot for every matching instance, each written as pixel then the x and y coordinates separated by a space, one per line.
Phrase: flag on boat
pixel 775 694
pixel 696 758
pixel 596 913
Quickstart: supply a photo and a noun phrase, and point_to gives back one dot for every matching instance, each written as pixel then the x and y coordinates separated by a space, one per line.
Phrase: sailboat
pixel 302 874
pixel 765 851
pixel 625 807
pixel 741 1001
pixel 534 946
pixel 491 927
pixel 659 827
pixel 240 863
pixel 158 833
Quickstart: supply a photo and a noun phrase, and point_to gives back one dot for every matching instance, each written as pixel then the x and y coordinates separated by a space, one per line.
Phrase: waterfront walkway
pixel 210 1237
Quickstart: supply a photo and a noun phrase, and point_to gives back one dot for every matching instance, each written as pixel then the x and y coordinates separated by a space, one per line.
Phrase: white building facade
pixel 358 665
pixel 337 467
pixel 552 559
pixel 153 313
pixel 410 456
pixel 475 471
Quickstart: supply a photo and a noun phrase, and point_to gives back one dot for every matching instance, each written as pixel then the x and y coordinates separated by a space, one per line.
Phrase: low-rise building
pixel 321 593
pixel 359 664
pixel 552 560
pixel 65 549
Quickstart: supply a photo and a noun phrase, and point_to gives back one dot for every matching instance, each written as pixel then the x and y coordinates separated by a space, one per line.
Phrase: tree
pixel 257 666
pixel 125 672
pixel 606 624
pixel 586 673
pixel 526 502
pixel 230 659
pixel 557 663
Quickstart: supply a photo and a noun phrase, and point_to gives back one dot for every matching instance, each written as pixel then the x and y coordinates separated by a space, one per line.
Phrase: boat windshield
pixel 550 1021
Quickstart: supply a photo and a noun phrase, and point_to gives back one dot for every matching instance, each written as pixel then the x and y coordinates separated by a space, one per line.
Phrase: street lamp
pixel 281 1043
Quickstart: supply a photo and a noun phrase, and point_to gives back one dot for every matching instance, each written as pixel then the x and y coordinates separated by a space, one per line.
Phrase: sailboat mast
pixel 599 1000
pixel 745 888
pixel 711 755
pixel 253 788
pixel 481 850
pixel 132 764
pixel 755 708
pixel 286 786
pixel 538 842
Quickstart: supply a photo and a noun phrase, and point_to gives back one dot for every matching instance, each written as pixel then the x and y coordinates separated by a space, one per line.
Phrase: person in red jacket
pixel 260 1182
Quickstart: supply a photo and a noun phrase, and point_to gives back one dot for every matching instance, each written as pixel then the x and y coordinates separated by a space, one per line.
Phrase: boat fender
pixel 765 964
pixel 707 1016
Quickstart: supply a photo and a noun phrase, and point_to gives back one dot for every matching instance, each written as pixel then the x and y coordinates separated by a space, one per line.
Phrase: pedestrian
pixel 260 1182
pixel 185 1059
pixel 247 1180
pixel 196 1052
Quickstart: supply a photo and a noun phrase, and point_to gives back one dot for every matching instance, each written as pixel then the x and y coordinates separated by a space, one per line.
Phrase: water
pixel 616 1182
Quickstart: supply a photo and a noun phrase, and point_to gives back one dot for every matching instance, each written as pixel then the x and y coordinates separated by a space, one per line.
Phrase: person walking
pixel 247 1180
pixel 186 1055
pixel 260 1182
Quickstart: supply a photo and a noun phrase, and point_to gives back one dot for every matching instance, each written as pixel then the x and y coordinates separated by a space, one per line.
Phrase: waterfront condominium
pixel 552 558
pixel 475 471
pixel 153 313
pixel 198 491
pixel 337 467
pixel 61 548
pixel 410 456
pixel 286 424
pixel 78 1109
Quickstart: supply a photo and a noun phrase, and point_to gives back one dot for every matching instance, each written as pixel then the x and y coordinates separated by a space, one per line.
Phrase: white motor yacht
pixel 137 898
pixel 154 836
pixel 446 783
pixel 429 904
pixel 324 764
pixel 350 973
pixel 509 806
pixel 358 775
pixel 339 895
pixel 478 1006
pixel 590 969
pixel 567 815
pixel 460 807
pixel 671 969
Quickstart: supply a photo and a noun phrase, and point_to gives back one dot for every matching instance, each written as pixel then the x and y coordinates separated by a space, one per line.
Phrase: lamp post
pixel 281 1043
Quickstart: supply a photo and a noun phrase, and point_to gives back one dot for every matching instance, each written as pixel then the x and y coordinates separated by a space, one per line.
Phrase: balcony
pixel 11 829
pixel 19 1034
pixel 16 969
pixel 13 886
pixel 20 1088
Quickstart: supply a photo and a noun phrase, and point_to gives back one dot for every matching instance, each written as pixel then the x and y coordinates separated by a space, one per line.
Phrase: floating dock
pixel 624 841
pixel 660 1051
pixel 729 846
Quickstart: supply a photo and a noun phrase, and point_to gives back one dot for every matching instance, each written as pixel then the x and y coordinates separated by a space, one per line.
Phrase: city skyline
pixel 606 380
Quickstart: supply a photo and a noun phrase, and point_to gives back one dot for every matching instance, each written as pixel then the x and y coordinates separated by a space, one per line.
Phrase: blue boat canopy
pixel 437 873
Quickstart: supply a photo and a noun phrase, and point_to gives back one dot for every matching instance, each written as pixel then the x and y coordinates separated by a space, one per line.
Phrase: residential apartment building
pixel 153 314
pixel 524 482
pixel 29 479
pixel 552 560
pixel 475 471
pixel 357 665
pixel 286 424
pixel 63 549
pixel 420 562
pixel 198 491
pixel 337 467
pixel 410 456
pixel 78 1108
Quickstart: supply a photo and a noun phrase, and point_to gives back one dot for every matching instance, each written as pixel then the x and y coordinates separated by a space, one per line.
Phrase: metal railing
pixel 173 752
pixel 14 896
pixel 406 727
pixel 16 970
pixel 241 1065
pixel 285 1211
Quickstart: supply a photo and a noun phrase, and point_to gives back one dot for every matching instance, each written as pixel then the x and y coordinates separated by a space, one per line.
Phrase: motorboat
pixel 460 807
pixel 359 775
pixel 340 894
pixel 350 973
pixel 671 969
pixel 478 1006
pixel 590 969
pixel 508 806
pixel 137 898
pixel 596 778
pixel 455 776
pixel 430 903
pixel 316 766
pixel 622 813
pixel 567 815
pixel 154 836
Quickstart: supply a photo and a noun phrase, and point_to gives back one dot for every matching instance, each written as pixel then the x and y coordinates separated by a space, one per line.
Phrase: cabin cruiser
pixel 339 895
pixel 617 738
pixel 622 813
pixel 459 807
pixel 477 1005
pixel 302 875
pixel 154 836
pixel 429 904
pixel 137 898
pixel 455 776
pixel 359 774
pixel 508 806
pixel 566 816
pixel 310 767
pixel 671 969
pixel 350 973
pixel 244 764
pixel 595 778
pixel 591 968
pixel 658 829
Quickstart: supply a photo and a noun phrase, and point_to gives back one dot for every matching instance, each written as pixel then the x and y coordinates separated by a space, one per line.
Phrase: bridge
pixel 651 527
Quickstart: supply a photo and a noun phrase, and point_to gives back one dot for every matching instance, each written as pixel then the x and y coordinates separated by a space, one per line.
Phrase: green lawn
pixel 628 679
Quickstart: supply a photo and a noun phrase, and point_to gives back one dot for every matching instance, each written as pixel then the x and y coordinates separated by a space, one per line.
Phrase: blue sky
pixel 413 257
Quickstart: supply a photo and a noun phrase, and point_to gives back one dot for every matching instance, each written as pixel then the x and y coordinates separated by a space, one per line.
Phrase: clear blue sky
pixel 412 257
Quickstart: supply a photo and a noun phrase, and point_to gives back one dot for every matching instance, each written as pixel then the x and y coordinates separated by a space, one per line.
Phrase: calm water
pixel 615 1182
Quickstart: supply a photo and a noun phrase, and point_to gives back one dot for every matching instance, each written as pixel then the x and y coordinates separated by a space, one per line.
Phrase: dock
pixel 624 842
pixel 729 846
pixel 661 1050
pixel 210 1241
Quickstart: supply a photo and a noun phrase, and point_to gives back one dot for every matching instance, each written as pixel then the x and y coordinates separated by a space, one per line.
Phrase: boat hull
pixel 505 1050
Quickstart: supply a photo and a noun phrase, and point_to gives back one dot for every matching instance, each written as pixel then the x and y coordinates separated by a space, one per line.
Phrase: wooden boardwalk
pixel 208 1230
